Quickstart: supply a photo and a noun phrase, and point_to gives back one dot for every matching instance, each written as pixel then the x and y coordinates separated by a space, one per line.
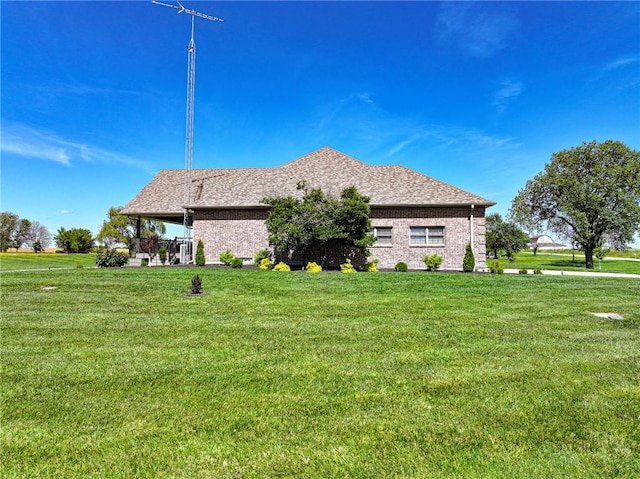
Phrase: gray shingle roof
pixel 326 168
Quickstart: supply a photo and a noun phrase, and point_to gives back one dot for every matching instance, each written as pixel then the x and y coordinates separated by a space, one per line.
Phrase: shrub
pixel 260 255
pixel 469 262
pixel 537 271
pixel 371 266
pixel 200 259
pixel 313 268
pixel 111 259
pixel 196 285
pixel 433 262
pixel 236 263
pixel 281 267
pixel 144 262
pixel 226 257
pixel 162 252
pixel 265 264
pixel 523 271
pixel 494 267
pixel 347 267
pixel 401 267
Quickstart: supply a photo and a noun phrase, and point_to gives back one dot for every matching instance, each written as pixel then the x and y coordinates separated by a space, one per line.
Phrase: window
pixel 384 235
pixel 431 236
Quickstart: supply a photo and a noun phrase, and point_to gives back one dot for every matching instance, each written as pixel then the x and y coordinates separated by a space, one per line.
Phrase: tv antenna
pixel 191 82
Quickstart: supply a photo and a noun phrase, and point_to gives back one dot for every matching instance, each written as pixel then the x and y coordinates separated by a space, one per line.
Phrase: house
pixel 545 242
pixel 412 215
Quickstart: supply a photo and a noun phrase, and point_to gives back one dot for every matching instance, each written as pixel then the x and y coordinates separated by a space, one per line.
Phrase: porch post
pixel 138 229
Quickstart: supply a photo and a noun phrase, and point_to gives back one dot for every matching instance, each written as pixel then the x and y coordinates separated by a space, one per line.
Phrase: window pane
pixel 436 235
pixel 418 235
pixel 384 235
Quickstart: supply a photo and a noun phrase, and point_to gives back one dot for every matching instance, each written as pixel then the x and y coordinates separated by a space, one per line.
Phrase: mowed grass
pixel 22 261
pixel 565 262
pixel 115 373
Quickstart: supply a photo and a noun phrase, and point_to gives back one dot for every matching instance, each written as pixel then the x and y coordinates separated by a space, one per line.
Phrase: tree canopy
pixel 16 232
pixel 121 230
pixel 75 240
pixel 320 225
pixel 504 236
pixel 586 194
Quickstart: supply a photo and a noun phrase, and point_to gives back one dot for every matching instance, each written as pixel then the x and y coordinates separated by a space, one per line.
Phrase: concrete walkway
pixel 577 273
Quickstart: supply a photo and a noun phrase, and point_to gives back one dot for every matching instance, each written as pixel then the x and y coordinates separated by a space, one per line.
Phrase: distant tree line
pixel 16 232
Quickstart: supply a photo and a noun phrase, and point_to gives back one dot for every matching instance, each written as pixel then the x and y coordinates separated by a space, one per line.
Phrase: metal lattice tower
pixel 191 83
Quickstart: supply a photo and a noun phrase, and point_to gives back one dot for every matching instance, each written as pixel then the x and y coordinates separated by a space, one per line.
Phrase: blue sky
pixel 478 95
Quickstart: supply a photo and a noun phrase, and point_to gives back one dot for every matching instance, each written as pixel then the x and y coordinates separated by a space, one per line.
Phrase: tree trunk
pixel 588 257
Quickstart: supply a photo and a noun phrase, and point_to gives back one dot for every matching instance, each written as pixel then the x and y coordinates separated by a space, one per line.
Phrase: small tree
pixel 320 225
pixel 162 252
pixel 469 262
pixel 200 258
pixel 75 240
pixel 196 285
pixel 504 236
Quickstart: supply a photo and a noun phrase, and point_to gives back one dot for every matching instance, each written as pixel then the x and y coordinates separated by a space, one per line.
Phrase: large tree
pixel 320 225
pixel 39 237
pixel 591 192
pixel 121 230
pixel 75 240
pixel 9 223
pixel 504 236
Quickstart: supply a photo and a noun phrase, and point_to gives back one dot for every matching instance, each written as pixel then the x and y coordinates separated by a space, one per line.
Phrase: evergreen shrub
pixel 200 259
pixel 236 263
pixel 313 268
pixel 347 267
pixel 111 259
pixel 469 262
pixel 433 262
pixel 226 257
pixel 401 267
pixel 281 267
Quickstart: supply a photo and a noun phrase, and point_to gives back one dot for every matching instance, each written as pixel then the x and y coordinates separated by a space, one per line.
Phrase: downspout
pixel 471 231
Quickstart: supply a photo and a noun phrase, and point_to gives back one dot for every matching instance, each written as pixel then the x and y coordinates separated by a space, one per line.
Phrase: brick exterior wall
pixel 456 222
pixel 244 233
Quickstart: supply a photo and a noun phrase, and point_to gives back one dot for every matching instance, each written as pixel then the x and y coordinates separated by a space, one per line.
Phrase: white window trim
pixel 426 243
pixel 381 245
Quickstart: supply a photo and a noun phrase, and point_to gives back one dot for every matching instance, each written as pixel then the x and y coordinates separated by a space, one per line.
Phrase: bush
pixel 236 263
pixel 401 267
pixel 494 267
pixel 433 262
pixel 162 252
pixel 313 268
pixel 347 267
pixel 469 262
pixel 281 267
pixel 111 259
pixel 196 285
pixel 523 271
pixel 226 257
pixel 260 255
pixel 537 271
pixel 265 264
pixel 371 266
pixel 200 259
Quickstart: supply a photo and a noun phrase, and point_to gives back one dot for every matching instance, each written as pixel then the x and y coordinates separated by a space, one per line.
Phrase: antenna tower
pixel 191 83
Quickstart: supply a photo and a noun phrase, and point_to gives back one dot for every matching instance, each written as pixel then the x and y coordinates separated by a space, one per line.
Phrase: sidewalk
pixel 577 273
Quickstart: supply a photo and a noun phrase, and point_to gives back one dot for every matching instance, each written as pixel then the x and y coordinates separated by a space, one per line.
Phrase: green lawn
pixel 565 261
pixel 115 373
pixel 21 261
